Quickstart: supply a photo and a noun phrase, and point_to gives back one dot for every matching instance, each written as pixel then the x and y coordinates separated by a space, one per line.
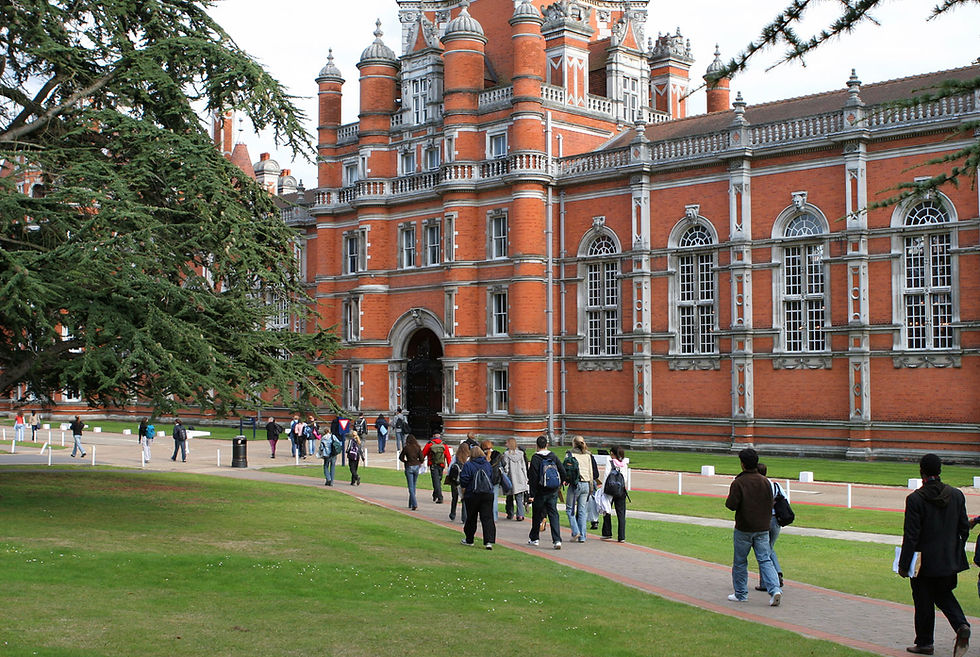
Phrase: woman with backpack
pixel 452 477
pixel 582 472
pixel 411 456
pixel 478 500
pixel 515 465
pixel 354 455
pixel 615 492
pixel 381 426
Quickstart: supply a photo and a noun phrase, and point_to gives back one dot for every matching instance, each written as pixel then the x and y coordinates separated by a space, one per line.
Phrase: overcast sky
pixel 291 37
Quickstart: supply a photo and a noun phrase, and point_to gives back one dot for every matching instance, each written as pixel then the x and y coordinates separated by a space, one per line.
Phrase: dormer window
pixel 420 100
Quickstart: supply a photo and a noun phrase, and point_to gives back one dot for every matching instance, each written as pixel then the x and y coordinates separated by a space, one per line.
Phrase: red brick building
pixel 525 232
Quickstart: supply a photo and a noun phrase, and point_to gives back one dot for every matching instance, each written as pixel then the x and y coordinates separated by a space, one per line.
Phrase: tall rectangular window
pixel 804 308
pixel 433 243
pixel 928 292
pixel 631 98
pixel 498 312
pixel 420 100
pixel 449 237
pixel 602 308
pixel 351 174
pixel 498 235
pixel 498 390
pixel 352 388
pixel 355 251
pixel 696 303
pixel 432 159
pixel 406 246
pixel 352 319
pixel 408 162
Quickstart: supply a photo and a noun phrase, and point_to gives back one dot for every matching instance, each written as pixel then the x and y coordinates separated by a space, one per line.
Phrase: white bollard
pixel 127 432
pixel 97 429
pixel 62 438
pixel 49 454
pixel 219 458
pixel 915 484
pixel 142 458
pixel 4 433
pixel 93 455
pixel 848 496
pixel 707 471
pixel 680 488
pixel 297 457
pixel 13 445
pixel 47 427
pixel 787 490
pixel 806 477
pixel 49 435
pixel 976 482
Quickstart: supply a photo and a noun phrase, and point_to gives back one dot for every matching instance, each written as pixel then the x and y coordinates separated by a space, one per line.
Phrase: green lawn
pixel 887 473
pixel 125 563
pixel 116 426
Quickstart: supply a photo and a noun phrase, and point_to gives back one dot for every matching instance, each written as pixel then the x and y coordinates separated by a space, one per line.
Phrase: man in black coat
pixel 936 527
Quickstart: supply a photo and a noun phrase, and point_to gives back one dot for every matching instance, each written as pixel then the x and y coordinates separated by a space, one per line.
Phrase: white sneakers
pixel 533 542
pixel 774 600
pixel 558 545
pixel 734 598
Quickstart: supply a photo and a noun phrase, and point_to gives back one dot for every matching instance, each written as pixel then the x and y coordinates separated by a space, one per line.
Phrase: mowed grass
pixel 885 473
pixel 118 563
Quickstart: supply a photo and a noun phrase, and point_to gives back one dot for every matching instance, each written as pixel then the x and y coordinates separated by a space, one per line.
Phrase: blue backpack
pixel 550 477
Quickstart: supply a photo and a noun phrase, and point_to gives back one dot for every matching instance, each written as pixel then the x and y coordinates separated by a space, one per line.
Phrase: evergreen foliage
pixel 150 251
pixel 782 30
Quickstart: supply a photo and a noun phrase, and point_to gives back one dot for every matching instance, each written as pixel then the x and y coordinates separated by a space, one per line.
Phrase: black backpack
pixel 615 486
pixel 481 482
pixel 784 512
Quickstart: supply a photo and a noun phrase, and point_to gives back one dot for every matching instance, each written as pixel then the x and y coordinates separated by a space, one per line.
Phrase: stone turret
pixel 330 96
pixel 718 89
pixel 464 44
pixel 379 74
pixel 670 73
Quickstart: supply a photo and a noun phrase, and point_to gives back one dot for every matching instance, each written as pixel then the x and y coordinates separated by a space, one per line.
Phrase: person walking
pixel 545 475
pixel 354 456
pixel 750 497
pixel 328 450
pixel 141 431
pixel 34 421
pixel 272 431
pixel 411 456
pixel 774 527
pixel 149 434
pixel 292 434
pixel 401 429
pixel 360 426
pixel 438 455
pixel 76 433
pixel 581 485
pixel 381 427
pixel 452 478
pixel 19 425
pixel 616 495
pixel 474 479
pixel 936 531
pixel 311 434
pixel 515 465
pixel 180 441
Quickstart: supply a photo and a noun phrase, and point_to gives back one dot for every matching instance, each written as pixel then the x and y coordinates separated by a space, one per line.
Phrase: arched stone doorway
pixel 423 383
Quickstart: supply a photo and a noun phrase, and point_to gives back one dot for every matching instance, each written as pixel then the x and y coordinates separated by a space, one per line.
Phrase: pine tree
pixel 143 264
pixel 782 30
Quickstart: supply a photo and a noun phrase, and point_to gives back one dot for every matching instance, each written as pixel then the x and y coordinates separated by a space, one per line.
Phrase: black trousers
pixel 620 506
pixel 545 504
pixel 436 473
pixel 929 593
pixel 482 505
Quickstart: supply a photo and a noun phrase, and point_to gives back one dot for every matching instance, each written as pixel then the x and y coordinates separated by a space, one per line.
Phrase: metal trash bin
pixel 239 452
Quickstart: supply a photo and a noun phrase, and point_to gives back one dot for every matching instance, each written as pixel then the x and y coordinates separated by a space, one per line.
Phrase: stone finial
pixel 853 90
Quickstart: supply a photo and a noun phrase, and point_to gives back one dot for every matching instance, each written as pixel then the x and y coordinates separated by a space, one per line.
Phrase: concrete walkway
pixel 877 626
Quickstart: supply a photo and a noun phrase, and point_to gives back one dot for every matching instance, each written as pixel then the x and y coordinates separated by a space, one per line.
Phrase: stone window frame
pixel 597 232
pixel 677 253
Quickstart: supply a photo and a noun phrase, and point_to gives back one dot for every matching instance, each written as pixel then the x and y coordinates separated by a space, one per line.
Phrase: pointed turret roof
pixel 241 159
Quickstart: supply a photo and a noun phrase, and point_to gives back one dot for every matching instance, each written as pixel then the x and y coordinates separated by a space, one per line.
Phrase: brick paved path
pixel 878 626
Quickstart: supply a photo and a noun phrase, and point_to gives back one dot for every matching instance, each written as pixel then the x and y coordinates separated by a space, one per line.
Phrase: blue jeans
pixel 179 445
pixel 773 535
pixel 759 542
pixel 328 468
pixel 399 441
pixel 77 446
pixel 577 508
pixel 19 432
pixel 412 477
pixel 382 441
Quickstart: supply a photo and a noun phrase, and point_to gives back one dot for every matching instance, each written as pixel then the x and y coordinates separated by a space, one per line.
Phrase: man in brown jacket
pixel 750 497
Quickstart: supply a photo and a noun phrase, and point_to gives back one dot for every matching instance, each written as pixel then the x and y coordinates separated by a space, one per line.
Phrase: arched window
pixel 695 298
pixel 804 303
pixel 927 277
pixel 600 296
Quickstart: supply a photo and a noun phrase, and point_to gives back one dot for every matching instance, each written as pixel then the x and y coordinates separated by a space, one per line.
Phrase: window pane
pixel 792 272
pixel 940 260
pixel 794 326
pixel 915 272
pixel 915 320
pixel 706 327
pixel 814 325
pixel 688 329
pixel 612 331
pixel 611 288
pixel 686 271
pixel 942 315
pixel 593 326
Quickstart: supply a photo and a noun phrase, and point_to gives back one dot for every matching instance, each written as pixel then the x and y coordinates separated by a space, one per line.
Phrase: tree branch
pixel 26 129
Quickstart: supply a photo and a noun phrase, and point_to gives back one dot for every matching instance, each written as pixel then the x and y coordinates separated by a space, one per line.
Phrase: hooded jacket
pixel 936 525
pixel 750 497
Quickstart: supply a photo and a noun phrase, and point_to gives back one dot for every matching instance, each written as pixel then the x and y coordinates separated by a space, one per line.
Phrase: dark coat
pixel 937 526
pixel 467 474
pixel 272 430
pixel 750 497
pixel 534 473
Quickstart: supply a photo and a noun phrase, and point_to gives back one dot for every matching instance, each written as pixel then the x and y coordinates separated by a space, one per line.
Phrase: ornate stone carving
pixel 598 222
pixel 801 363
pixel 600 365
pixel 686 363
pixel 915 361
pixel 799 200
pixel 692 211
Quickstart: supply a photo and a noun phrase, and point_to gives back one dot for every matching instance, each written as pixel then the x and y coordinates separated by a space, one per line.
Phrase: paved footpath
pixel 877 626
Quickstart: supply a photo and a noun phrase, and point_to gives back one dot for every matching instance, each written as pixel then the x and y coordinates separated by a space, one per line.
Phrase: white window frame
pixel 600 296
pixel 407 162
pixel 497 144
pixel 937 283
pixel 432 159
pixel 801 286
pixel 449 237
pixel 695 288
pixel 431 242
pixel 419 96
pixel 351 319
pixel 352 173
pixel 497 235
pixel 407 246
pixel 355 251
pixel 498 312
pixel 352 387
pixel 498 389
